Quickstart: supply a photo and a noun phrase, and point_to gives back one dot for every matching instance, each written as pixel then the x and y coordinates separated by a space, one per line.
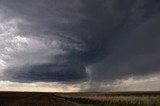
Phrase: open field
pixel 80 99
pixel 115 98
pixel 33 99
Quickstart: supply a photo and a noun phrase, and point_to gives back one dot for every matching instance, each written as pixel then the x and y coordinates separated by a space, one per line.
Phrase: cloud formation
pixel 57 40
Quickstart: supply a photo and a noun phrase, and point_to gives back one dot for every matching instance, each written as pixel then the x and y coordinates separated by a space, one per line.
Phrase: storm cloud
pixel 57 40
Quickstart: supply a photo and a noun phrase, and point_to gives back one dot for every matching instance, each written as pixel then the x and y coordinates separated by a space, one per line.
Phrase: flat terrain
pixel 114 98
pixel 80 99
pixel 33 99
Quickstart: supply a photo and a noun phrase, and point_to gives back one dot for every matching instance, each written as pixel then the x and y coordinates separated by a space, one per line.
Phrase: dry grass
pixel 115 99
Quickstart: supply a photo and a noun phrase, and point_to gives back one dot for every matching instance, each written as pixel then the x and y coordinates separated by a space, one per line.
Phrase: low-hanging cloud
pixel 114 38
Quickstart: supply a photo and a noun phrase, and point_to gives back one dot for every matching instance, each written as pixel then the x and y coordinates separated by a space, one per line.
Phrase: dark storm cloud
pixel 47 72
pixel 136 50
pixel 116 38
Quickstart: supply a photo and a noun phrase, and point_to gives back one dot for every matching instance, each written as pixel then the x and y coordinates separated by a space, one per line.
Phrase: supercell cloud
pixel 78 40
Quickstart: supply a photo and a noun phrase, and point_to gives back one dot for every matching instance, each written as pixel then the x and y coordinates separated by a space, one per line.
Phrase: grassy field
pixel 80 99
pixel 114 98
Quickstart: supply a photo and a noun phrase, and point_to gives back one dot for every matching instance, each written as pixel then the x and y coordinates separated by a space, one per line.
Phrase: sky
pixel 79 45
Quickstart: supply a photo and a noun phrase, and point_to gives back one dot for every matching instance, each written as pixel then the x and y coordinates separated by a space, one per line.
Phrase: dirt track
pixel 33 99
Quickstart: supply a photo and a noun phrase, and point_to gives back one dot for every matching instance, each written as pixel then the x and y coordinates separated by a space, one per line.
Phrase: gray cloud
pixel 115 38
pixel 136 54
pixel 47 73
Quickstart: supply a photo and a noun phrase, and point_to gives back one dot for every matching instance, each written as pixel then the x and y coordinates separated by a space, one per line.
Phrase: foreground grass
pixel 113 100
